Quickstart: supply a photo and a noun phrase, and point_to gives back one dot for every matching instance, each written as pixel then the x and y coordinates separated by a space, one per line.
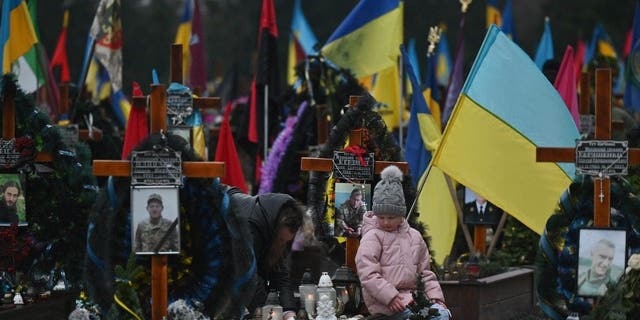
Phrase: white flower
pixel 634 262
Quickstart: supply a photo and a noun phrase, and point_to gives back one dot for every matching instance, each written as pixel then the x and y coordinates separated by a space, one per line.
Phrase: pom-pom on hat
pixel 388 197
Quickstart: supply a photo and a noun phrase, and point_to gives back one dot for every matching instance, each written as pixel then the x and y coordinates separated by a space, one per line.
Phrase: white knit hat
pixel 388 196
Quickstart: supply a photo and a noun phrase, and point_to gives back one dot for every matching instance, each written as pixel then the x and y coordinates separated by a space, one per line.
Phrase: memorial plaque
pixel 179 106
pixel 587 124
pixel 606 157
pixel 8 154
pixel 348 165
pixel 156 168
pixel 70 134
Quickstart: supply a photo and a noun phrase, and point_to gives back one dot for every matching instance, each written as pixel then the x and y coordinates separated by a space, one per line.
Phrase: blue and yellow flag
pixel 431 92
pixel 544 51
pixel 502 129
pixel 183 36
pixel 368 39
pixel 17 34
pixel 600 44
pixel 435 203
pixel 493 14
pixel 301 41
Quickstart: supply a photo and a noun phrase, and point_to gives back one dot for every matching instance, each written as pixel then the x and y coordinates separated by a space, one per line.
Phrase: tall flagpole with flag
pixel 264 83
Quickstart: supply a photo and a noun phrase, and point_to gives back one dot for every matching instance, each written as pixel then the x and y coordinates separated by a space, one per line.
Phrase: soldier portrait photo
pixel 12 206
pixel 601 262
pixel 155 220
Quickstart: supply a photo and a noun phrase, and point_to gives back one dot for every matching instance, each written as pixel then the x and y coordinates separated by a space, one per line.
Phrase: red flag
pixel 227 153
pixel 565 83
pixel 137 127
pixel 197 71
pixel 628 42
pixel 266 77
pixel 60 54
pixel 578 61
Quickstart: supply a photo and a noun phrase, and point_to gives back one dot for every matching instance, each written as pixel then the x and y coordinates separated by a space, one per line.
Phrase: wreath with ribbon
pixel 557 258
pixel 377 140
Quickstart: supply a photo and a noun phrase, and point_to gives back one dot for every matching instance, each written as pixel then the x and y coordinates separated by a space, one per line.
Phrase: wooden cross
pixel 9 121
pixel 584 105
pixel 601 203
pixel 326 165
pixel 93 134
pixel 122 168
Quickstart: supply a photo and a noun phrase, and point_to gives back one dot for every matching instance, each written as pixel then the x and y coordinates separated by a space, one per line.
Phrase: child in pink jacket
pixel 392 254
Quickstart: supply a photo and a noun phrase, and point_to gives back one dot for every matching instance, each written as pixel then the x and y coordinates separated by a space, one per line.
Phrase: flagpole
pixel 266 122
pixel 401 95
pixel 83 75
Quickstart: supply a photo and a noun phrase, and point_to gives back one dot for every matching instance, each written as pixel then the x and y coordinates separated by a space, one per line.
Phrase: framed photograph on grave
pixel 601 260
pixel 13 206
pixel 155 220
pixel 182 131
pixel 352 200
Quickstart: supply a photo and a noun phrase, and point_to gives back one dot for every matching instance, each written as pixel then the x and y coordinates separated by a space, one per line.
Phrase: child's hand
pixel 396 305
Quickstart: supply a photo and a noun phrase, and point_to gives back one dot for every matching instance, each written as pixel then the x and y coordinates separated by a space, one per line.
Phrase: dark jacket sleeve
pixel 280 280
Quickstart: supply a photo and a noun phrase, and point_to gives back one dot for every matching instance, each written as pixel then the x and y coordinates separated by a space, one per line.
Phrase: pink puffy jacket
pixel 388 264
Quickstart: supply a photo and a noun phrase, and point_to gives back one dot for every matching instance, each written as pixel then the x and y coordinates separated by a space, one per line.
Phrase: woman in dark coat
pixel 273 220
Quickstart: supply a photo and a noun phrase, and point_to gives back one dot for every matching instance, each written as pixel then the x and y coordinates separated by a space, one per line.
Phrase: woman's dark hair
pixel 291 216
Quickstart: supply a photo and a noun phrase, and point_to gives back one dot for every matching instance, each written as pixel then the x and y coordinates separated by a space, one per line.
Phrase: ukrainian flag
pixel 600 44
pixel 183 36
pixel 367 41
pixel 493 14
pixel 435 203
pixel 17 34
pixel 490 142
pixel 301 41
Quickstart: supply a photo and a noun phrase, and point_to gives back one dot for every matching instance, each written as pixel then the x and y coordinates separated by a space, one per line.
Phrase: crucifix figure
pixel 158 99
pixel 602 183
pixel 326 165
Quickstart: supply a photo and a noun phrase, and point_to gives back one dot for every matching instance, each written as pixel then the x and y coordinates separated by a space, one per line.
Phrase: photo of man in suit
pixel 481 212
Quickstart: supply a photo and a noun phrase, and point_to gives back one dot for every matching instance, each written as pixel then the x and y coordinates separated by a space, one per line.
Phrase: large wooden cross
pixel 122 168
pixel 602 202
pixel 326 165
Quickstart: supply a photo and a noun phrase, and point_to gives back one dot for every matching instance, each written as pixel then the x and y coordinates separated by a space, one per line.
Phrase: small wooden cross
pixel 326 165
pixel 601 203
pixel 158 123
pixel 93 134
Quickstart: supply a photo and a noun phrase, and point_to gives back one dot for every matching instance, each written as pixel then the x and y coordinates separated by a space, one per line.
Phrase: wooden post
pixel 159 288
pixel 603 132
pixel 63 108
pixel 175 63
pixel 9 114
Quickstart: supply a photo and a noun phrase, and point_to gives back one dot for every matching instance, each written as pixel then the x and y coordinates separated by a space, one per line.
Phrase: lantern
pixel 326 299
pixel 307 291
pixel 272 309
pixel 348 290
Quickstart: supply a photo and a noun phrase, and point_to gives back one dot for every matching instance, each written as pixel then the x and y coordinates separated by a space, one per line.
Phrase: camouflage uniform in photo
pixel 148 235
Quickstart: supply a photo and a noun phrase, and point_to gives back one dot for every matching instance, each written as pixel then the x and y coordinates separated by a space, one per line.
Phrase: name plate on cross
pixel 350 166
pixel 602 157
pixel 179 105
pixel 156 168
pixel 8 154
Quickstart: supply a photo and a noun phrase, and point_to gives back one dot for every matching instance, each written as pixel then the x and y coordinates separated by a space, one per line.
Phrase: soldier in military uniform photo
pixel 156 234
